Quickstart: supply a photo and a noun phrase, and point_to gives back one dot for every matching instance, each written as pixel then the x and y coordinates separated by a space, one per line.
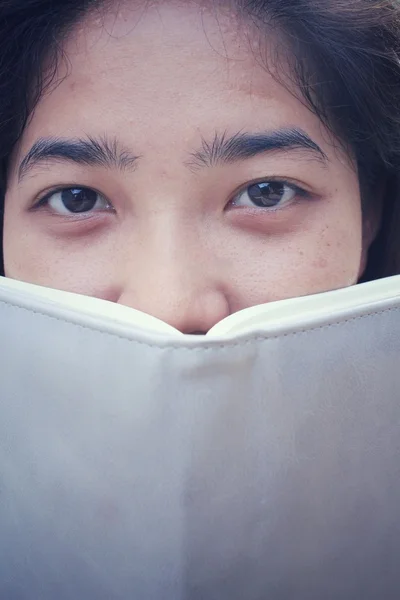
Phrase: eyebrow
pixel 102 152
pixel 224 149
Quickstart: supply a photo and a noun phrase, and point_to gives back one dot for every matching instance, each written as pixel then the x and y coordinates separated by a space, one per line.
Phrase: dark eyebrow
pixel 91 151
pixel 224 150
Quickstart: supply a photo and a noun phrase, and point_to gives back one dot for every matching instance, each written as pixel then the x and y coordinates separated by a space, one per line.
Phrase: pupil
pixel 266 194
pixel 79 200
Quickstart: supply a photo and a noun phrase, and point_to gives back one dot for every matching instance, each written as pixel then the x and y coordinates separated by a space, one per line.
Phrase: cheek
pixel 31 256
pixel 331 251
pixel 336 255
pixel 322 258
pixel 321 252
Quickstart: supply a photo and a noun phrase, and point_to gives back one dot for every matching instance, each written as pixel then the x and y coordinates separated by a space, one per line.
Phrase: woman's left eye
pixel 268 194
pixel 75 201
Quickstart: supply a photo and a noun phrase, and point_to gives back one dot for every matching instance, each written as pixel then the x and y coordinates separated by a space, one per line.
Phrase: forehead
pixel 142 70
pixel 170 44
pixel 214 33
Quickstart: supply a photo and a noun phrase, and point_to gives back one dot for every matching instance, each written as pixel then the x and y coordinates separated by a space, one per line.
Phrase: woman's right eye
pixel 74 201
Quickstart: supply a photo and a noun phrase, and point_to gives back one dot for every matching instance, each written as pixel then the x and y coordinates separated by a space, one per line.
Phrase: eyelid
pixel 300 190
pixel 45 195
pixel 42 198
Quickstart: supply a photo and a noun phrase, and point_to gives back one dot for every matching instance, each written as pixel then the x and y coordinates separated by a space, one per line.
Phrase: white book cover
pixel 259 463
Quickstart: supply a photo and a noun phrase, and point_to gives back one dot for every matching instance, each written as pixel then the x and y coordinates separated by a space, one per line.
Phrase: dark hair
pixel 344 58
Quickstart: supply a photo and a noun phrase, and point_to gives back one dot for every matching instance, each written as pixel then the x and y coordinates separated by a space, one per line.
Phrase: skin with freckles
pixel 171 172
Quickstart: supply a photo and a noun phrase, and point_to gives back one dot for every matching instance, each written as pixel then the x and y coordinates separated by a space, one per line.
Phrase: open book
pixel 302 311
pixel 263 466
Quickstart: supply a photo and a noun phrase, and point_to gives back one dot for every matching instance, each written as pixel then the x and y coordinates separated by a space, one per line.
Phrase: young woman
pixel 191 159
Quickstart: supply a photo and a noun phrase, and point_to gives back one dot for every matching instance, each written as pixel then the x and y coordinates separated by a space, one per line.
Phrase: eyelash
pixel 300 192
pixel 43 199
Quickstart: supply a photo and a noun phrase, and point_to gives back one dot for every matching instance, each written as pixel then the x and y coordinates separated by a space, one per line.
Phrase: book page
pixel 87 305
pixel 293 311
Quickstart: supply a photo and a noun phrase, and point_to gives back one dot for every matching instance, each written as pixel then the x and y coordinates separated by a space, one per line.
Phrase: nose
pixel 178 284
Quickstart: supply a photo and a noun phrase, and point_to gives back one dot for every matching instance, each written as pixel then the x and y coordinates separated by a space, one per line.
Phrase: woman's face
pixel 170 172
